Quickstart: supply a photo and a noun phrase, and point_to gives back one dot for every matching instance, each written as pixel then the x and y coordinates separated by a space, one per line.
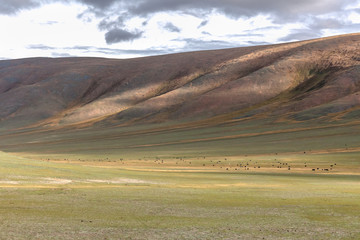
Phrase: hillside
pixel 209 102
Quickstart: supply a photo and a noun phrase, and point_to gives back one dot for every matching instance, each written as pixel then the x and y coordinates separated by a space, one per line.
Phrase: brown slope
pixel 37 89
pixel 299 80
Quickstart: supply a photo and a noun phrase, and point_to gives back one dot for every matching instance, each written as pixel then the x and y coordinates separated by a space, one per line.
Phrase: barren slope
pixel 302 82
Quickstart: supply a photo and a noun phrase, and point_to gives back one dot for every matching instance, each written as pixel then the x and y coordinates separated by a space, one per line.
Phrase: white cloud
pixel 57 27
pixel 354 17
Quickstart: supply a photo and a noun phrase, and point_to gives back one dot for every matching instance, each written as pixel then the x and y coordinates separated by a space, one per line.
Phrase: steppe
pixel 245 143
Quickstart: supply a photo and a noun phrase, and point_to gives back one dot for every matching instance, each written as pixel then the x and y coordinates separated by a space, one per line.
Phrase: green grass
pixel 157 182
pixel 172 205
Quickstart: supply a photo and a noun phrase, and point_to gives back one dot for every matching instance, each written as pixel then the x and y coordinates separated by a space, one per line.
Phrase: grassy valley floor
pixel 49 197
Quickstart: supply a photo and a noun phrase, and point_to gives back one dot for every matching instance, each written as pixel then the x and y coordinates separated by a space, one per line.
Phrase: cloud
pixel 102 4
pixel 115 17
pixel 329 23
pixel 171 27
pixel 39 47
pixel 60 55
pixel 49 23
pixel 107 24
pixel 146 52
pixel 119 35
pixel 206 33
pixel 12 6
pixel 280 8
pixel 300 34
pixel 280 12
pixel 192 44
pixel 203 23
pixel 316 27
pixel 249 34
pixel 257 43
pixel 112 51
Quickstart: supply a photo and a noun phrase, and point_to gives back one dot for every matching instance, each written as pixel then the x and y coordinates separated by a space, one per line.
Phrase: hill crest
pixel 294 81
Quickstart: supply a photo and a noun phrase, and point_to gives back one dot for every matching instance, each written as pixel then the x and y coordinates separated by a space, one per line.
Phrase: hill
pixel 251 100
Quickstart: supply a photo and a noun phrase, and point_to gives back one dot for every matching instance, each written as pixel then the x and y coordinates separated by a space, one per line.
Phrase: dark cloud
pixel 171 27
pixel 102 4
pixel 281 8
pixel 278 9
pixel 13 6
pixel 203 23
pixel 107 24
pixel 119 35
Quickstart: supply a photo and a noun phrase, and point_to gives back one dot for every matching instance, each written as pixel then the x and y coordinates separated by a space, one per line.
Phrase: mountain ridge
pixel 144 86
pixel 308 83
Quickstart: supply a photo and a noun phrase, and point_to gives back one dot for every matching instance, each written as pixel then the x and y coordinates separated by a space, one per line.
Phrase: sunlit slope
pixel 243 100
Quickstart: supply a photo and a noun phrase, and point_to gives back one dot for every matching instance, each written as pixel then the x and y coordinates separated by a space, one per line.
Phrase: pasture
pixel 79 197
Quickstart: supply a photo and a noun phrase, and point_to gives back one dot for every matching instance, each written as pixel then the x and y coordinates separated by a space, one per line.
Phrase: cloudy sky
pixel 133 28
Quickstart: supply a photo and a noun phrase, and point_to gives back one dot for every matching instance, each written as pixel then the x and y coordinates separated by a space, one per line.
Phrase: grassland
pixel 259 179
pixel 247 143
pixel 173 199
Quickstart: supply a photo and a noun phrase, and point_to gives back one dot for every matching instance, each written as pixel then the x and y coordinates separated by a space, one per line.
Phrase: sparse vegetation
pixel 247 143
pixel 107 200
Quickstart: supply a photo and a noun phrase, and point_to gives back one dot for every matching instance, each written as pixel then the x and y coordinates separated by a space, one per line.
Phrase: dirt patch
pixel 9 182
pixel 117 181
pixel 55 181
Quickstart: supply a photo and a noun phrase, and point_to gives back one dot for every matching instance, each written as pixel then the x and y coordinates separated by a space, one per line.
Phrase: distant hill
pixel 293 82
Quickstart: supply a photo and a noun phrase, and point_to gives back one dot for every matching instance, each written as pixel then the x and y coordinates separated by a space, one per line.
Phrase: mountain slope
pixel 301 82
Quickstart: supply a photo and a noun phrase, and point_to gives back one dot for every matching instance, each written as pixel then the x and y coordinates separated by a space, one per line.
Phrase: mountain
pixel 171 100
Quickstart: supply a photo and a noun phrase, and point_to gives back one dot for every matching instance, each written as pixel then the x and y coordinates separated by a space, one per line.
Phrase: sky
pixel 136 28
